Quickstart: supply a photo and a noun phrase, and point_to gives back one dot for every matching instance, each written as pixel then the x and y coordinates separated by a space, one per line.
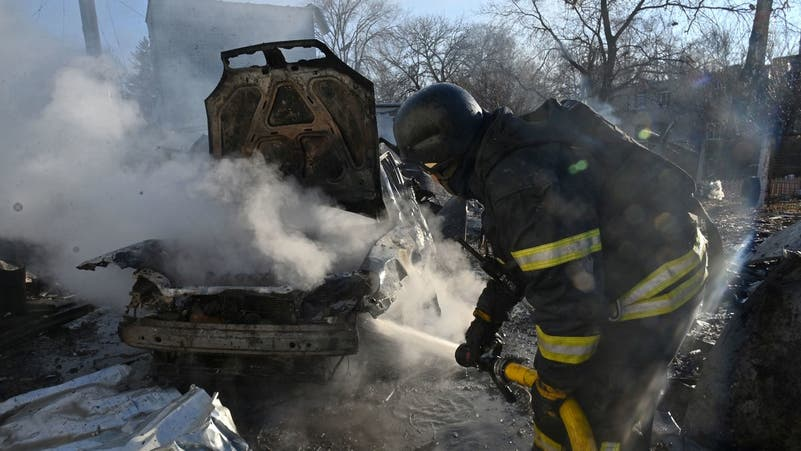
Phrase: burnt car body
pixel 315 120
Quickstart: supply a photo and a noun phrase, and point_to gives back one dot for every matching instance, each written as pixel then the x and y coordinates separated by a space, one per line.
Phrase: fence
pixel 784 187
pixel 778 188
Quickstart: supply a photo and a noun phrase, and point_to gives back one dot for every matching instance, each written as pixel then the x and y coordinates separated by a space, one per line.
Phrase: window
pixel 712 131
pixel 639 101
pixel 664 99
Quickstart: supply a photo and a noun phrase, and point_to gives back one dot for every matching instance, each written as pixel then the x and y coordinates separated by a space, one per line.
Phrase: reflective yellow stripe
pixel 609 446
pixel 667 274
pixel 558 252
pixel 645 300
pixel 572 350
pixel 481 314
pixel 668 302
pixel 544 442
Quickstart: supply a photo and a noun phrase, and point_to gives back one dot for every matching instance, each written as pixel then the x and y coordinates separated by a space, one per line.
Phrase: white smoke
pixel 81 174
pixel 298 231
pixel 447 277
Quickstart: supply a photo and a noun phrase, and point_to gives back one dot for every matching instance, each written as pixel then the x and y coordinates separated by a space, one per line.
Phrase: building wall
pixel 691 116
pixel 187 36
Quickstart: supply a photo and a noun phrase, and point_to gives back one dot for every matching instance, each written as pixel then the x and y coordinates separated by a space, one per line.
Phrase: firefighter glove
pixel 479 336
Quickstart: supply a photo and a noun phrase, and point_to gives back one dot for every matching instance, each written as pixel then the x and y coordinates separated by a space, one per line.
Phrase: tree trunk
pixel 757 44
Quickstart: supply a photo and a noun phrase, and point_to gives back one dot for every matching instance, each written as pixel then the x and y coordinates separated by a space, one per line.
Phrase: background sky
pixel 122 22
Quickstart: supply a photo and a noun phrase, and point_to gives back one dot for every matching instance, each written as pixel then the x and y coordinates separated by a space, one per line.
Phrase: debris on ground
pixel 775 245
pixel 715 190
pixel 747 396
pixel 96 411
pixel 28 309
pixel 63 352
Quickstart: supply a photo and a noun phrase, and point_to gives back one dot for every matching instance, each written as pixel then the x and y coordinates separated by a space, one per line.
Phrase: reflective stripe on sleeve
pixel 667 274
pixel 609 446
pixel 542 441
pixel 668 302
pixel 573 350
pixel 649 298
pixel 558 252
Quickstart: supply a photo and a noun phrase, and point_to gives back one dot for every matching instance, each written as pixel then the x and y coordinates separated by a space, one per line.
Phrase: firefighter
pixel 601 236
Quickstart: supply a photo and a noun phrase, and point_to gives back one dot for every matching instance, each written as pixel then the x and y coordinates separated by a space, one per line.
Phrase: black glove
pixel 478 338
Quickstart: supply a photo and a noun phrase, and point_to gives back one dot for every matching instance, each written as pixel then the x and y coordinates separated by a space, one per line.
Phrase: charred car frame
pixel 315 120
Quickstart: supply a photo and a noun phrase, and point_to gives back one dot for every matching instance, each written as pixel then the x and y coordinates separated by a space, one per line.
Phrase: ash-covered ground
pixel 398 392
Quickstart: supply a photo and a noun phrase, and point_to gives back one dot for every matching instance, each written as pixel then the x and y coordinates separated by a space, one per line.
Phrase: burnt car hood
pixel 315 119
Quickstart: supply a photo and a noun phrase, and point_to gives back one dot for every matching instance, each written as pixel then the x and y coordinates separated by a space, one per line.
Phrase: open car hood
pixel 315 119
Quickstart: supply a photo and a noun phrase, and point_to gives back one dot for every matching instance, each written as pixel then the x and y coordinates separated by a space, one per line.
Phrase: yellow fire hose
pixel 578 428
pixel 504 370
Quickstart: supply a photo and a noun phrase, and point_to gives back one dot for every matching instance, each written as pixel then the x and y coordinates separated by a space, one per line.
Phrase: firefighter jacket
pixel 594 228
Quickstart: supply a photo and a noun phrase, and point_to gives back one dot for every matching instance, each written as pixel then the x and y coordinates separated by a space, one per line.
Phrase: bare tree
pixel 484 59
pixel 498 71
pixel 420 51
pixel 757 44
pixel 612 44
pixel 713 51
pixel 353 27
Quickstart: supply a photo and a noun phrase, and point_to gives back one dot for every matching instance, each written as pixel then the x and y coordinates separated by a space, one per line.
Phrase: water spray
pixel 426 340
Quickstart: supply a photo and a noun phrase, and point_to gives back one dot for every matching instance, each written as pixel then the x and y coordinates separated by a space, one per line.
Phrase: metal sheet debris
pixel 775 245
pixel 93 412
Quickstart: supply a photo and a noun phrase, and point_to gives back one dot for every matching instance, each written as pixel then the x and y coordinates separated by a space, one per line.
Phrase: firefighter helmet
pixel 436 126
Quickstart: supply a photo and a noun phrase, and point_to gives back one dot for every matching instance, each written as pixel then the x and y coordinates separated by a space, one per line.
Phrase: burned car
pixel 315 120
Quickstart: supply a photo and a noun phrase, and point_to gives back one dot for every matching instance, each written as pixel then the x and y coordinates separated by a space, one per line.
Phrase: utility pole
pixel 91 34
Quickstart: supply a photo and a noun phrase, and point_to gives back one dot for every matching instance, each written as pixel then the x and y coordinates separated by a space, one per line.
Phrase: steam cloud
pixel 456 286
pixel 81 174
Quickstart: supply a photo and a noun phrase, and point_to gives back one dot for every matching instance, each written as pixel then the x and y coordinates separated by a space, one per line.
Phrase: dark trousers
pixel 624 380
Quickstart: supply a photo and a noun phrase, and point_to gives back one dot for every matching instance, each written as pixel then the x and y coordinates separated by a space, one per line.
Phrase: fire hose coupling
pixel 498 368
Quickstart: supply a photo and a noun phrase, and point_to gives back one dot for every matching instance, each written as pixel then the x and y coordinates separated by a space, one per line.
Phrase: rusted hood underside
pixel 314 119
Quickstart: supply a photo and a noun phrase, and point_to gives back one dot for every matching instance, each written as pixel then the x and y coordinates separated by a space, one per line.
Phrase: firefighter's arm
pixel 491 311
pixel 553 234
pixel 495 303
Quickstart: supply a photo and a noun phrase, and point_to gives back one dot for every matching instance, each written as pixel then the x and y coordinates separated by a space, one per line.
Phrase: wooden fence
pixel 784 187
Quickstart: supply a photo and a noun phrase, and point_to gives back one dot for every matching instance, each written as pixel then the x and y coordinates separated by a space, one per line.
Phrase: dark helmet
pixel 436 126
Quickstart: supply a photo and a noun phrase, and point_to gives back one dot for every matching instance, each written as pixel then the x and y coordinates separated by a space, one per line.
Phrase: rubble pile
pixel 747 396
